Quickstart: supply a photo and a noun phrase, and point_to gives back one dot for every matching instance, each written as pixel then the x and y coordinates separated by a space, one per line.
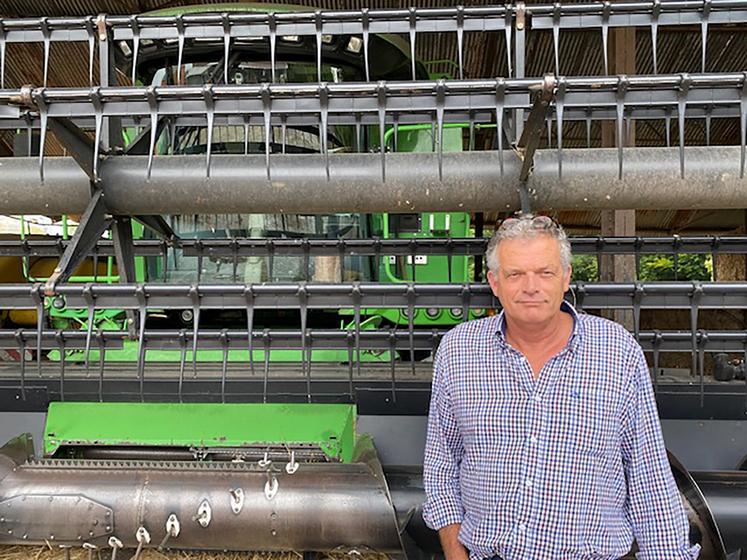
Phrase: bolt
pixel 274 533
pixel 108 527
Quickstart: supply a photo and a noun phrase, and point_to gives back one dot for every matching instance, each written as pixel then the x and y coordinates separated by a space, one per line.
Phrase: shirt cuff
pixel 690 553
pixel 442 511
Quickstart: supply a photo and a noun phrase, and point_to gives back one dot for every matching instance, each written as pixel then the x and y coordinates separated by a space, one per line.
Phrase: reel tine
pixel 365 24
pixel 95 97
pixel 210 115
pixel 685 82
pixel 225 20
pixel 556 36
pixel 249 296
pixel 182 362
pixel 272 28
pixel 39 300
pixel 267 114
pixel 41 104
pixel 266 376
pixel 194 295
pixel 622 87
pixel 559 105
pixel 141 342
pixel 180 47
pixel 587 120
pixel 411 323
pixel 500 100
pixel 708 125
pixel 303 299
pixel 381 96
pixel 88 296
pixel 150 93
pixel 224 365
pixel 2 55
pixel 323 119
pixel 46 34
pixel 705 15
pixel 656 10
pixel 318 33
pixel 440 100
pixel 413 32
pixel 357 320
pixel 460 40
pixel 135 26
pixel 607 7
pixel 91 47
pixel 508 32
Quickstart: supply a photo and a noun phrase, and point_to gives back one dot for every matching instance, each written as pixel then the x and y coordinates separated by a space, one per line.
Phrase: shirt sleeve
pixel 654 505
pixel 443 454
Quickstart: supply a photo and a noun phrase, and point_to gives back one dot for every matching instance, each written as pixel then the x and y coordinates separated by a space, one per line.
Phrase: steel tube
pixel 110 498
pixel 471 182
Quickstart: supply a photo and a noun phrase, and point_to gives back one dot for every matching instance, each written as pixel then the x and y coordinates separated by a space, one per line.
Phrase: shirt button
pixel 533 439
pixel 537 399
pixel 522 528
pixel 528 482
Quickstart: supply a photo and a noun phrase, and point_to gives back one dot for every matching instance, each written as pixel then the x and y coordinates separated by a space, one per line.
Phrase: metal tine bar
pixel 61 349
pixel 471 146
pixel 605 34
pixel 249 296
pixel 743 125
pixel 194 295
pixel 38 98
pixel 356 296
pixel 270 259
pixel 207 92
pixel 351 342
pixel 88 295
pixel 588 131
pixel 102 361
pixel 559 102
pixel 507 32
pixel 2 55
pixel 318 33
pixel 694 302
pixel 657 345
pixel 267 114
pixel 655 11
pixel 153 106
pixel 224 365
pixel 323 117
pixel 172 135
pixel 440 95
pixel 98 123
pixel 556 36
pixel 621 90
pixel 708 134
pixel 303 297
pixel 46 33
pixel 91 47
pixel 182 361
pixel 460 40
pixel 411 323
pixel 411 257
pixel 226 45
pixel 500 99
pixel 246 135
pixel 234 261
pixel 548 122
pixel 135 26
pixel 283 130
pixel 392 362
pixel 273 29
pixel 668 128
pixel 266 375
pixel 22 352
pixel 681 108
pixel 704 33
pixel 702 336
pixel 364 24
pixel 306 259
pixel 180 47
pixel 413 31
pixel 358 139
pixel 381 90
pixel 141 343
pixel 39 300
pixel 395 136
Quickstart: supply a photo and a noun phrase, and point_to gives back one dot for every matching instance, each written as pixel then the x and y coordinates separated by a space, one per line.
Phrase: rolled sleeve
pixel 654 505
pixel 443 454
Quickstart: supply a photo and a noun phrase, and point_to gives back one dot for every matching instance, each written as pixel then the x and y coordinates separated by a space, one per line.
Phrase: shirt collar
pixel 573 341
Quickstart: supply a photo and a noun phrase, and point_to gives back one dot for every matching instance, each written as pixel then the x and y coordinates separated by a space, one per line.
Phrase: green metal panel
pixel 329 426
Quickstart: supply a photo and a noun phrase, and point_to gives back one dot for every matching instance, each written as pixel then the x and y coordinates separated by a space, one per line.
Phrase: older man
pixel 543 437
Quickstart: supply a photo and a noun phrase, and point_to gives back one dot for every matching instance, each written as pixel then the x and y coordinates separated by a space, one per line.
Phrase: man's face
pixel 530 282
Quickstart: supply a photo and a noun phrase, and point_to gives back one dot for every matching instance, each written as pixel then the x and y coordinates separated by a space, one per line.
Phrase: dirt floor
pixel 48 553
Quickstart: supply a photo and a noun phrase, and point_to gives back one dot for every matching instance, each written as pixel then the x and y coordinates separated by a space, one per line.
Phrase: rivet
pixel 108 527
pixel 274 532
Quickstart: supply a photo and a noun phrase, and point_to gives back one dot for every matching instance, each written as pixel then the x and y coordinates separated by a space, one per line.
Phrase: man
pixel 543 436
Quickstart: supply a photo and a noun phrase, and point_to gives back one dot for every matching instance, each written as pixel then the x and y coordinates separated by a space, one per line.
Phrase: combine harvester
pixel 291 210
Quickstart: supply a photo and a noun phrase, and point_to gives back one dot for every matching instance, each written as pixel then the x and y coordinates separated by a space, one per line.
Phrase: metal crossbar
pixel 249 247
pixel 621 99
pixel 302 295
pixel 229 29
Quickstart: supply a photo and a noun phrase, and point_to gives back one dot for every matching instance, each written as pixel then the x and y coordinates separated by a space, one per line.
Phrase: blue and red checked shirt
pixel 571 465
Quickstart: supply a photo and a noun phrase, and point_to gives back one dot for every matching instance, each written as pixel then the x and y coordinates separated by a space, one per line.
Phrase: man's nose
pixel 530 283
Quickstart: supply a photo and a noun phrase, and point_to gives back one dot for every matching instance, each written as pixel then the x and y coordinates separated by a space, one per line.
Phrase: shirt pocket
pixel 587 423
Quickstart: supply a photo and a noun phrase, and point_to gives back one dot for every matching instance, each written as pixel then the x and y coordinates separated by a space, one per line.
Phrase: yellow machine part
pixel 11 271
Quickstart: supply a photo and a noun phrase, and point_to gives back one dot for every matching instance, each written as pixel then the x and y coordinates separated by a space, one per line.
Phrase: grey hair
pixel 528 226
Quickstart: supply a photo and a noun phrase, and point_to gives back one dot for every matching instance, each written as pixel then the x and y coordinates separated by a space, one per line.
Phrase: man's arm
pixel 654 505
pixel 453 549
pixel 442 510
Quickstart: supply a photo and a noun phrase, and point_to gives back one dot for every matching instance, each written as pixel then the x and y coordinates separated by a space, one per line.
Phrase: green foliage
pixel 689 267
pixel 653 268
pixel 584 268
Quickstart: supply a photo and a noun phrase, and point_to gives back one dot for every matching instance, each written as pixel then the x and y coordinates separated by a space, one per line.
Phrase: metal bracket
pixel 92 224
pixel 530 136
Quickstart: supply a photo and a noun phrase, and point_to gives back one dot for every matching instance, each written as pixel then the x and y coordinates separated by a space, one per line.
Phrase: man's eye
pixel 548 274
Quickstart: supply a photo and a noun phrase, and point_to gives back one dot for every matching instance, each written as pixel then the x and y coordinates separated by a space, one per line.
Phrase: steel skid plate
pixel 54 518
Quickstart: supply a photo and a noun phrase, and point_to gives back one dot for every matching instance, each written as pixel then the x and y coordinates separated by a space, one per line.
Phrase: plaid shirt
pixel 570 465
